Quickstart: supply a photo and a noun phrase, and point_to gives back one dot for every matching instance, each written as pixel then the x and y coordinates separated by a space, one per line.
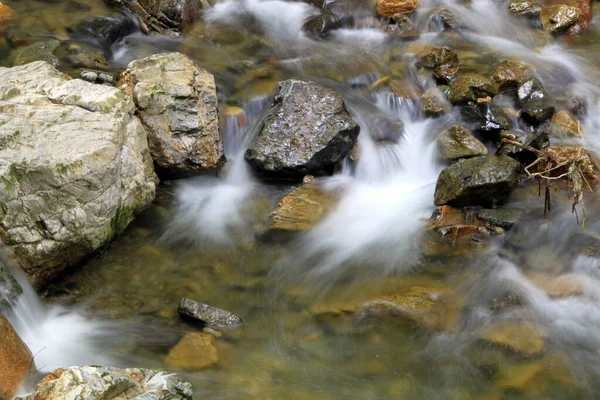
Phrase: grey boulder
pixel 305 129
pixel 74 167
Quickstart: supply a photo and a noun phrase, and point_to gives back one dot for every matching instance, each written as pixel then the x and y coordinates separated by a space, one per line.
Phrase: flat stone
pixel 387 8
pixel 195 351
pixel 457 142
pixel 212 317
pixel 502 218
pixel 522 337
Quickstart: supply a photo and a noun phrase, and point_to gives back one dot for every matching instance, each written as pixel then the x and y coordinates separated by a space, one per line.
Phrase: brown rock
pixel 556 286
pixel 7 15
pixel 522 337
pixel 15 360
pixel 301 209
pixel 433 103
pixel 196 351
pixel 177 103
pixel 457 142
pixel 387 8
pixel 511 74
pixel 469 88
pixel 558 18
pixel 564 124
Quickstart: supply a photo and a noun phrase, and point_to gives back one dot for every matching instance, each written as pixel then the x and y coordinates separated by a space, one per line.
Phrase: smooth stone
pixel 194 352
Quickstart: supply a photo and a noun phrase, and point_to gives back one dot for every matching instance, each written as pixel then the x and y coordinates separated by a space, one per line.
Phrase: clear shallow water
pixel 199 239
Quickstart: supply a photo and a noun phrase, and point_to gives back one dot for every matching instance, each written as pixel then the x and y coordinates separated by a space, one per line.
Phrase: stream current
pixel 303 338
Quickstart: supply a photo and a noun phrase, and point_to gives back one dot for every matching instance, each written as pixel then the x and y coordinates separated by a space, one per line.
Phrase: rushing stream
pixel 201 239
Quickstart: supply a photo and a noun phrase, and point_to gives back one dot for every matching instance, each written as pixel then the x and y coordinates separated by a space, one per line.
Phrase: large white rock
pixel 74 167
pixel 100 383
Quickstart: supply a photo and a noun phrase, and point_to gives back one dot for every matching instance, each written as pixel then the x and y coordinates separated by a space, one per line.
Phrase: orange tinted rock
pixel 387 8
pixel 15 360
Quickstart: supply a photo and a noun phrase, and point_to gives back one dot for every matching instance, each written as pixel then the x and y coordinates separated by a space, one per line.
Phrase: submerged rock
pixel 105 383
pixel 305 129
pixel 177 103
pixel 7 15
pixel 522 337
pixel 301 209
pixel 558 18
pixel 195 351
pixel 457 142
pixel 502 218
pixel 469 88
pixel 210 316
pixel 484 181
pixel 104 31
pixel 319 26
pixel 65 195
pixel 16 360
pixel 387 8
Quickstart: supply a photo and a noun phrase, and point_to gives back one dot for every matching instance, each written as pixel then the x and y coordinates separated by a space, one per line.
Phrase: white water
pixel 57 336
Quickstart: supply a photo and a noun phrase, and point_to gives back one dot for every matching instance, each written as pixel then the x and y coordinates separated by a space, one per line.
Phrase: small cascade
pixel 211 209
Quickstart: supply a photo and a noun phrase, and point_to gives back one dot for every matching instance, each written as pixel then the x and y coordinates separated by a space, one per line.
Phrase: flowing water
pixel 201 238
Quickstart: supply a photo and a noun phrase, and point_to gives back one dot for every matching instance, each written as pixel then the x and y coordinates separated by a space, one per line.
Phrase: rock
pixel 557 287
pixel 177 103
pixel 301 209
pixel 531 89
pixel 457 142
pixel 528 8
pixel 502 218
pixel 485 181
pixel 212 317
pixel 7 15
pixel 486 118
pixel 522 337
pixel 443 62
pixel 196 351
pixel 433 103
pixel 565 125
pixel 98 77
pixel 511 74
pixel 165 15
pixel 104 31
pixel 425 306
pixel 16 360
pixel 106 383
pixel 387 8
pixel 304 129
pixel 319 26
pixel 445 18
pixel 81 55
pixel 64 196
pixel 538 139
pixel 536 111
pixel 38 51
pixel 584 19
pixel 469 88
pixel 558 18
